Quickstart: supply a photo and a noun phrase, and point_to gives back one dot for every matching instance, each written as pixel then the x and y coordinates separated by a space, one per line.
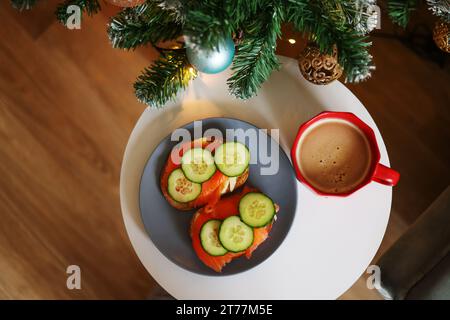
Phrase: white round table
pixel 332 240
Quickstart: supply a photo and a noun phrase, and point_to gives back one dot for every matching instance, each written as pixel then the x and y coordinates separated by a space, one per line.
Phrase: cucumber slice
pixel 180 188
pixel 198 165
pixel 209 238
pixel 256 209
pixel 234 235
pixel 232 158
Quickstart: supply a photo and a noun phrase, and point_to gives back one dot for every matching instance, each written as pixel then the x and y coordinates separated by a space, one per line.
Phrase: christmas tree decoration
pixel 212 60
pixel 441 36
pixel 319 68
pixel 126 3
pixel 255 24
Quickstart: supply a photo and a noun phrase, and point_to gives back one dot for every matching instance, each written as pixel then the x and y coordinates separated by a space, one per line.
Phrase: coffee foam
pixel 334 156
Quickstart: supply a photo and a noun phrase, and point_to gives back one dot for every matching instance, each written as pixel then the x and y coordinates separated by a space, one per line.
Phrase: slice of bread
pixel 226 207
pixel 212 189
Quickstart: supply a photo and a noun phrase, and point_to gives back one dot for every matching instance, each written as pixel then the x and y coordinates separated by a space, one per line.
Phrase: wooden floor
pixel 66 111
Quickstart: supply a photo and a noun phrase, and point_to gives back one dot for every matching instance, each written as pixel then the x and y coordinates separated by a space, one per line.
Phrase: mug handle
pixel 385 175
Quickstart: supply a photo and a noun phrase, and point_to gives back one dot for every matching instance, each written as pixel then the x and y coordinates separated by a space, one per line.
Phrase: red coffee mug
pixel 377 171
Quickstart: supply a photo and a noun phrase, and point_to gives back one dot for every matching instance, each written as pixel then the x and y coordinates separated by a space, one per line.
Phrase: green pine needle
pixel 440 8
pixel 147 23
pixel 90 7
pixel 23 4
pixel 208 22
pixel 255 58
pixel 400 11
pixel 205 23
pixel 353 52
pixel 162 81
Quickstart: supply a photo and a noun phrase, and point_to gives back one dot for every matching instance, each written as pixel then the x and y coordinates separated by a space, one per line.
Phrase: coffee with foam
pixel 334 156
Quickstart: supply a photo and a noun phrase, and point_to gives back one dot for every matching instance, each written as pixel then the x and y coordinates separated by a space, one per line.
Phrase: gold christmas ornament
pixel 126 3
pixel 441 34
pixel 317 67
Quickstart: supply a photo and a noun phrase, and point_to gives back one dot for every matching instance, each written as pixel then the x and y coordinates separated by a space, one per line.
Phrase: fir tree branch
pixel 23 4
pixel 400 10
pixel 350 15
pixel 90 7
pixel 354 56
pixel 175 8
pixel 143 24
pixel 208 22
pixel 255 58
pixel 162 81
pixel 440 8
pixel 335 11
pixel 353 52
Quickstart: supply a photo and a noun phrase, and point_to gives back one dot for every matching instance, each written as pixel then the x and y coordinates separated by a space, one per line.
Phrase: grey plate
pixel 168 227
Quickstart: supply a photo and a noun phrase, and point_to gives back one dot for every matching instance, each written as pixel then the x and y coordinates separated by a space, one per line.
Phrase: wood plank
pixel 64 124
pixel 66 110
pixel 37 20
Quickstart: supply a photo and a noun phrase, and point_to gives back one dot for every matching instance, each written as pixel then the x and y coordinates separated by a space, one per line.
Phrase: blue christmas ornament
pixel 214 60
